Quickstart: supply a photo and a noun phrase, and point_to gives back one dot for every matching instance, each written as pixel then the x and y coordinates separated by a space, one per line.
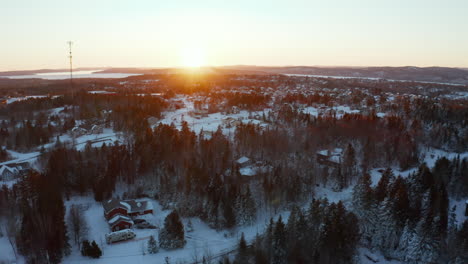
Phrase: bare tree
pixel 77 223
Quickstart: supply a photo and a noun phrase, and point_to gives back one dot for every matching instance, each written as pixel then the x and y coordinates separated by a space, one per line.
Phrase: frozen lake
pixel 66 75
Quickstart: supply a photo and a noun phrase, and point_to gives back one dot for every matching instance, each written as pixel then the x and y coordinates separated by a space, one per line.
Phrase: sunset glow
pixel 214 33
pixel 193 57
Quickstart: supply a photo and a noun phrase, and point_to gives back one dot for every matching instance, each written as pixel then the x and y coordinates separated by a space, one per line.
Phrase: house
pixel 139 207
pixel 8 173
pixel 330 158
pixel 120 222
pixel 119 213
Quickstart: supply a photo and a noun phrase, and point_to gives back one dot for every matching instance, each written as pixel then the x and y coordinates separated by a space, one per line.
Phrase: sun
pixel 193 57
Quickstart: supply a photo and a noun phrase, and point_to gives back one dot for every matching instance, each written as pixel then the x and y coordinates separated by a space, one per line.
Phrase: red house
pixel 119 212
pixel 120 222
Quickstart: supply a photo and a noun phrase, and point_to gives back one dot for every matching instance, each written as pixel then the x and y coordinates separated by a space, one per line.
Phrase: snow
pixel 100 92
pixel 108 136
pixel 345 109
pixel 460 212
pixel 117 217
pixel 334 197
pixel 7 254
pixel 209 122
pixel 56 111
pixel 201 241
pixel 311 111
pixel 17 99
pixel 129 208
pixel 366 256
pixel 247 171
pixel 9 184
pixel 242 160
pixel 340 110
pixel 457 95
pixel 21 157
pixel 4 168
pixel 430 157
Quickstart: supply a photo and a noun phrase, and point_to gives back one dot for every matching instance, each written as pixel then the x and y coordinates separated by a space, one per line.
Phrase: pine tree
pixel 349 164
pixel 85 248
pixel 362 195
pixel 245 206
pixel 404 242
pixel 279 243
pixel 172 235
pixel 242 255
pixel 386 236
pixel 381 191
pixel 95 251
pixel 152 246
pixel 364 207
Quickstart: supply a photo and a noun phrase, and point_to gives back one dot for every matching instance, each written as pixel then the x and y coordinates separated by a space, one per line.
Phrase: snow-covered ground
pixel 17 99
pixel 340 110
pixel 100 92
pixel 7 254
pixel 366 256
pixel 108 136
pixel 430 157
pixel 203 240
pixel 210 122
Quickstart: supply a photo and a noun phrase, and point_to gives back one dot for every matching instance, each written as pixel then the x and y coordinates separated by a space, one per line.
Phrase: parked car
pixel 143 224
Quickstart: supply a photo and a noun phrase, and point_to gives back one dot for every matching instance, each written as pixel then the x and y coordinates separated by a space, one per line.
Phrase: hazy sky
pixel 154 33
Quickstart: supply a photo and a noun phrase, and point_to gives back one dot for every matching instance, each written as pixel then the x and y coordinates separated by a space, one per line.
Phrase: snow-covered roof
pixel 118 218
pixel 112 204
pixel 242 160
pixel 126 205
pixel 248 171
pixel 130 205
pixel 139 205
pixel 323 152
pixel 5 168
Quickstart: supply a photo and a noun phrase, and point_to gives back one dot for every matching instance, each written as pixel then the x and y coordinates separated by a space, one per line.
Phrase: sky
pixel 173 33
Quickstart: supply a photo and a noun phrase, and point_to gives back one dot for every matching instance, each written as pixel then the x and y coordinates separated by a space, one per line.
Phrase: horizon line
pixel 221 66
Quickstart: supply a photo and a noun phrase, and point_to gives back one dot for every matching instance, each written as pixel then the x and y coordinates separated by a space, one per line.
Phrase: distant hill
pixel 409 73
pixel 427 74
pixel 31 72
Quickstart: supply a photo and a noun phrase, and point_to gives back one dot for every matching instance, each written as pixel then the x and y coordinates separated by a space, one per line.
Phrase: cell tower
pixel 70 43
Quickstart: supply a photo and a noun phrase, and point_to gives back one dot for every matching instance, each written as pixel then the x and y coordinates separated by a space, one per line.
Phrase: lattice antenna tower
pixel 70 43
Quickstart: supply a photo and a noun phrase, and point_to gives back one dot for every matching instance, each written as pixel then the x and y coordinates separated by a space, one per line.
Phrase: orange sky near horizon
pixel 147 33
